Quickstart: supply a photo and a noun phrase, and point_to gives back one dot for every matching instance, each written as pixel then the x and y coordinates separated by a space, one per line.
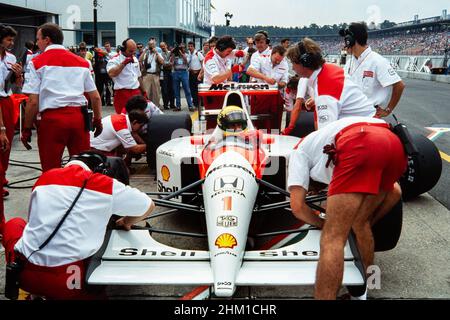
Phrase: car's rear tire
pixel 387 231
pixel 161 128
pixel 424 170
pixel 305 125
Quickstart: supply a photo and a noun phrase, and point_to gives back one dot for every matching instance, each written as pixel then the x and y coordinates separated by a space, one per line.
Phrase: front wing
pixel 135 258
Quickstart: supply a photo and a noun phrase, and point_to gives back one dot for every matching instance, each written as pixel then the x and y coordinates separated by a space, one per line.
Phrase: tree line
pixel 277 32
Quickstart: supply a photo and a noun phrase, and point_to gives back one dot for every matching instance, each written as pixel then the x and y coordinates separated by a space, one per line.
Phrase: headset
pixel 308 60
pixel 265 34
pixel 97 162
pixel 349 37
pixel 124 46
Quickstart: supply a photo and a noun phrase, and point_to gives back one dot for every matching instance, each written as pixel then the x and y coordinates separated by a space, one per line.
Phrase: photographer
pixel 179 60
pixel 151 62
pixel 53 249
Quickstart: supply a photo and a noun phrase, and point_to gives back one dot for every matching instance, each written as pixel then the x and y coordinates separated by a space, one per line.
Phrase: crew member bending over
pixel 51 270
pixel 118 132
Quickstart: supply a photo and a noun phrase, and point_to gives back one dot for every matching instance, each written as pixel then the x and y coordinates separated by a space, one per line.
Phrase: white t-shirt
pixel 5 67
pixel 82 233
pixel 261 62
pixel 374 75
pixel 309 161
pixel 303 90
pixel 195 60
pixel 152 60
pixel 116 132
pixel 129 77
pixel 60 78
pixel 337 97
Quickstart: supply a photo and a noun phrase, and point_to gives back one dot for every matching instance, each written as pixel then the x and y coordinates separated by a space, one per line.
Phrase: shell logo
pixel 226 241
pixel 165 173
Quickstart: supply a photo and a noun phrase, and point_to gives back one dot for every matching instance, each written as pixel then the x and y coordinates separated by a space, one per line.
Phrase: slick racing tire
pixel 424 170
pixel 387 231
pixel 163 128
pixel 305 125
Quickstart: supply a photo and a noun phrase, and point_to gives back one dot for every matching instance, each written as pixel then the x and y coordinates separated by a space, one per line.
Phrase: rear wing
pixel 247 89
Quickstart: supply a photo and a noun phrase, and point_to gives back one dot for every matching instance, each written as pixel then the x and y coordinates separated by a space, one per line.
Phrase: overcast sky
pixel 301 12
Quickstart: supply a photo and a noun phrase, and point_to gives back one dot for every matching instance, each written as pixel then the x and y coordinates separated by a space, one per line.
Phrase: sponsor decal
pixel 224 283
pixel 165 173
pixel 228 204
pixel 230 182
pixel 234 86
pixel 322 108
pixel 232 166
pixel 368 74
pixel 227 221
pixel 226 253
pixel 164 189
pixel 166 153
pixel 392 72
pixel 323 119
pixel 226 241
pixel 132 252
pixel 286 253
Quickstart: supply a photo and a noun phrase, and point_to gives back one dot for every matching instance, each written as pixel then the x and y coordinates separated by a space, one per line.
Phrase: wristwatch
pixel 2 129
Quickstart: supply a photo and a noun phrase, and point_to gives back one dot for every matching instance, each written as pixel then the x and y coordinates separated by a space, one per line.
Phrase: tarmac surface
pixel 419 268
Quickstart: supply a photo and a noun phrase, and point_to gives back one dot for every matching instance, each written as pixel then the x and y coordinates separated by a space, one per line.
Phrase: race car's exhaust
pixel 230 192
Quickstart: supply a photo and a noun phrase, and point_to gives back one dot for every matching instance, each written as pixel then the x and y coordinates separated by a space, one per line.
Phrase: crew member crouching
pixel 117 136
pixel 69 211
pixel 360 159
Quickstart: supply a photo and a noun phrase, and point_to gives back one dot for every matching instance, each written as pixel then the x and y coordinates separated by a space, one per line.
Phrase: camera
pixel 12 284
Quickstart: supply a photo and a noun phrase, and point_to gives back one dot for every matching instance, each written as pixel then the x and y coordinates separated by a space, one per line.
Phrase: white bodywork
pixel 229 192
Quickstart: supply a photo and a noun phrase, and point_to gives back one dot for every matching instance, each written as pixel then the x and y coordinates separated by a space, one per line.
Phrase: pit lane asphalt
pixel 417 269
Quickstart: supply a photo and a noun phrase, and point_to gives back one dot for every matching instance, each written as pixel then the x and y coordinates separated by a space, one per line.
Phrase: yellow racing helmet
pixel 232 120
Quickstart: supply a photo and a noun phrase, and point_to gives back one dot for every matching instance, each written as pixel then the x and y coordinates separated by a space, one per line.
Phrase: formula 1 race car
pixel 228 180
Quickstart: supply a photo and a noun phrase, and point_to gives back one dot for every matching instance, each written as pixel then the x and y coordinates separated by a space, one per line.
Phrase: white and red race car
pixel 229 180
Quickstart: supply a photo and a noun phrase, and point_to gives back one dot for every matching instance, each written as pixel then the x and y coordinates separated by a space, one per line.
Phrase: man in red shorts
pixel 361 159
pixel 125 72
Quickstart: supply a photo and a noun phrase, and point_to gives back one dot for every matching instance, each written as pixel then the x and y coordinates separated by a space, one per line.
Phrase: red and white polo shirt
pixel 5 67
pixel 129 77
pixel 60 78
pixel 337 97
pixel 215 65
pixel 82 233
pixel 116 131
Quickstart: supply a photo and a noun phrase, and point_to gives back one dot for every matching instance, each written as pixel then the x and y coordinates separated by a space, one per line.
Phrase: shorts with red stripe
pixel 58 129
pixel 370 159
pixel 54 283
pixel 121 98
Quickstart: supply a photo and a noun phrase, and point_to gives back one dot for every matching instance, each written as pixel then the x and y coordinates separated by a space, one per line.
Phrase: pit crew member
pixel 118 131
pixel 125 72
pixel 8 66
pixel 56 85
pixel 371 72
pixel 56 271
pixel 361 159
pixel 335 96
